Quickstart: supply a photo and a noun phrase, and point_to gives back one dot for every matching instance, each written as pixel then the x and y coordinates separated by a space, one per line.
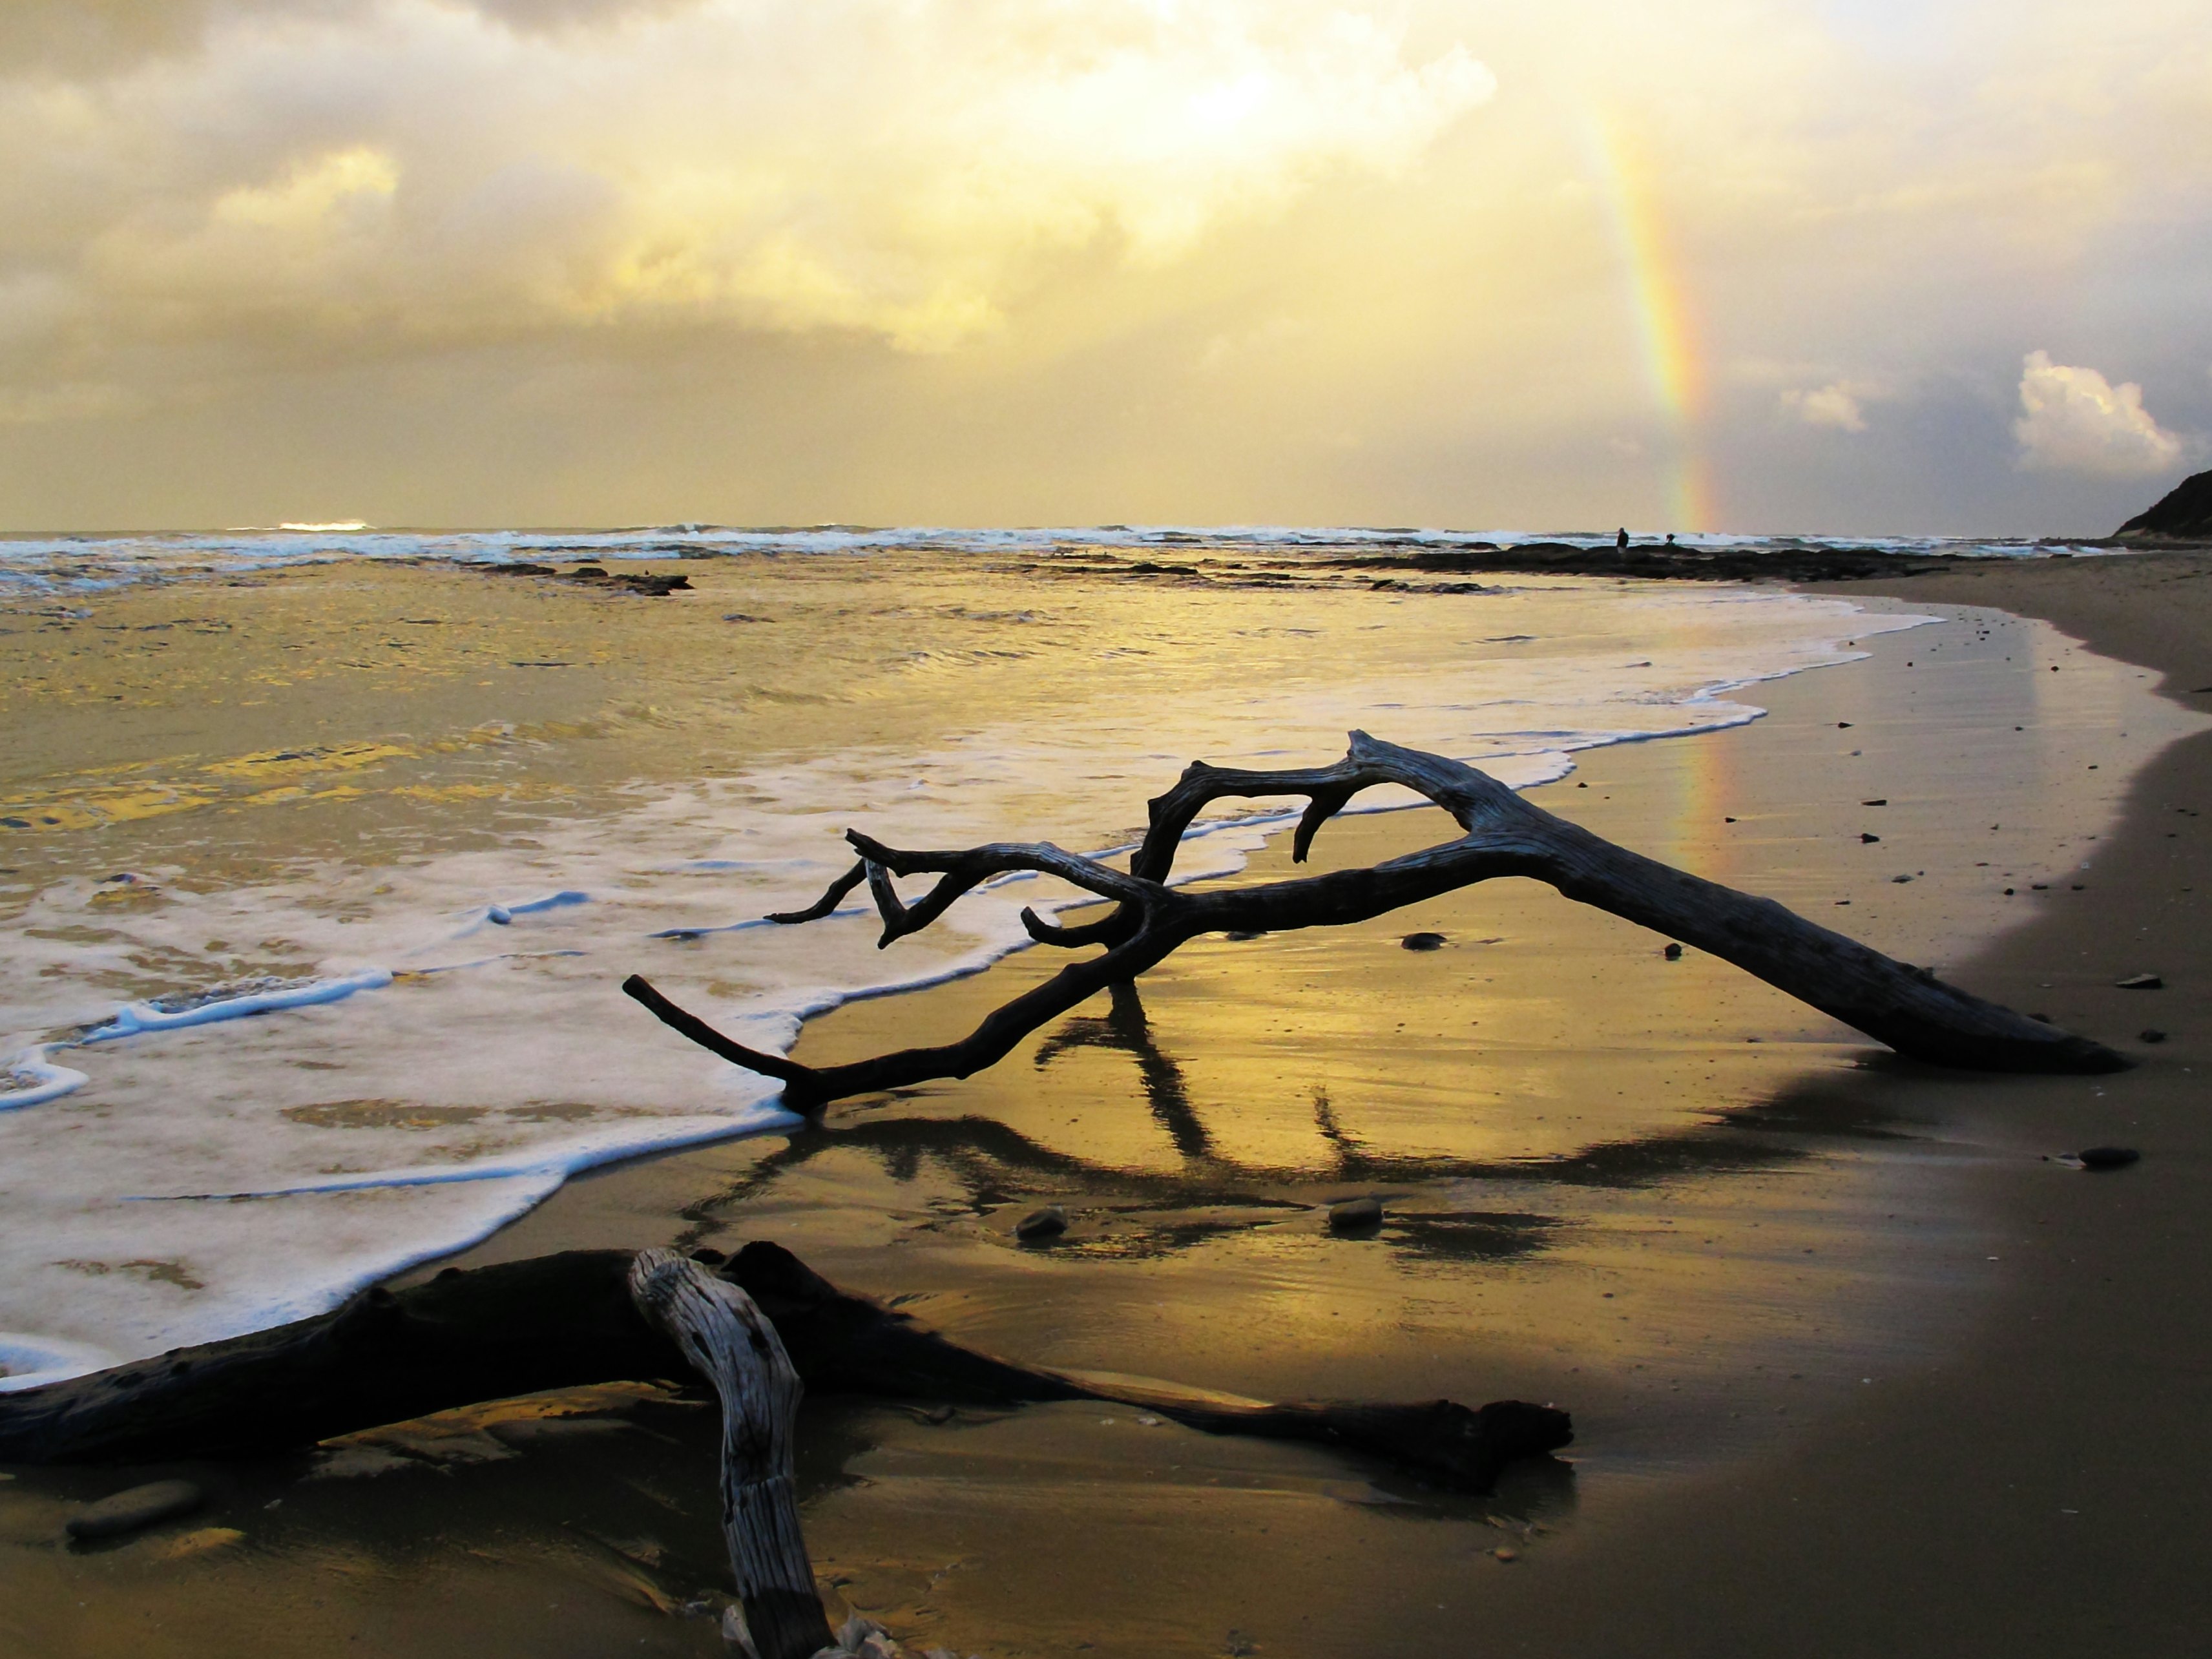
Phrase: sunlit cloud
pixel 1044 259
pixel 2072 420
pixel 68 401
pixel 310 193
pixel 903 168
pixel 1839 405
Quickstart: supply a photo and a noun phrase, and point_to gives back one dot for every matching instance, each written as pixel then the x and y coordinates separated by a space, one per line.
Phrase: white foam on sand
pixel 32 1080
pixel 31 1362
pixel 176 1012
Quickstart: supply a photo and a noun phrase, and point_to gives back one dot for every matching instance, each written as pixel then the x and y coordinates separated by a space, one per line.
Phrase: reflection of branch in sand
pixel 1330 1129
pixel 1906 1008
pixel 1125 1027
pixel 993 1164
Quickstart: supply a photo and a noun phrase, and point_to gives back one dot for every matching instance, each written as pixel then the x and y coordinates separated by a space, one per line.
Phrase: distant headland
pixel 2183 514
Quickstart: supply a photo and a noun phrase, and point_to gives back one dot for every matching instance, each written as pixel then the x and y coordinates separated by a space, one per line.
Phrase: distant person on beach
pixel 1670 538
pixel 1620 540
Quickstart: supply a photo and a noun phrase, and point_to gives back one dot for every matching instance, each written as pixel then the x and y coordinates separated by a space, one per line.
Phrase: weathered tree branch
pixel 1907 1008
pixel 829 901
pixel 730 1342
pixel 569 1320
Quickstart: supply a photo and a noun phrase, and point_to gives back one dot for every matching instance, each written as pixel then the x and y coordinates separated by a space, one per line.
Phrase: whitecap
pixel 27 1361
pixel 233 1002
pixel 35 1080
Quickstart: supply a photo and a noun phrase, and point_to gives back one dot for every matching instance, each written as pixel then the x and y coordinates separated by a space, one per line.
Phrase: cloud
pixel 75 36
pixel 350 174
pixel 70 401
pixel 1272 341
pixel 1839 405
pixel 591 260
pixel 2072 420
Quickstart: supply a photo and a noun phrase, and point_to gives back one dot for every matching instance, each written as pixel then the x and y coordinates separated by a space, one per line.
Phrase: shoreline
pixel 339 768
pixel 1181 1541
pixel 1628 1543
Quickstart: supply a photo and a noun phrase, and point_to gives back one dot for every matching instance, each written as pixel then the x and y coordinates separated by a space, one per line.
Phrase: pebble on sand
pixel 1050 1222
pixel 136 1508
pixel 1506 1553
pixel 2141 982
pixel 2108 1158
pixel 2151 1034
pixel 1423 941
pixel 1673 953
pixel 1355 1215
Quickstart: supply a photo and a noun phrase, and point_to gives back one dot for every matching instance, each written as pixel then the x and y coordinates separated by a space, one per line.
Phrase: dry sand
pixel 1601 1194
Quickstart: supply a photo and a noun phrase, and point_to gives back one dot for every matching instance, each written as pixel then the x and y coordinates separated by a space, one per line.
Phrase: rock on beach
pixel 1355 1215
pixel 1050 1222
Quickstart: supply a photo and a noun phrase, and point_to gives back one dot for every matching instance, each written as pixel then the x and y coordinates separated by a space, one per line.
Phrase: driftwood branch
pixel 570 1319
pixel 729 1341
pixel 1907 1007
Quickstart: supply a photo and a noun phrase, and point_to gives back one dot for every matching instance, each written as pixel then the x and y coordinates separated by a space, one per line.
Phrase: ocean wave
pixel 32 1080
pixel 28 1361
pixel 87 562
pixel 175 1012
pixel 289 1162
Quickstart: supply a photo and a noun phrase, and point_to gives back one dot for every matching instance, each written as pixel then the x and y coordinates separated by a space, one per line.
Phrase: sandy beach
pixel 1854 1364
pixel 544 542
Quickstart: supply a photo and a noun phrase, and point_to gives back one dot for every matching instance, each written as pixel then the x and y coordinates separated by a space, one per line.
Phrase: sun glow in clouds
pixel 906 169
pixel 1060 261
pixel 311 191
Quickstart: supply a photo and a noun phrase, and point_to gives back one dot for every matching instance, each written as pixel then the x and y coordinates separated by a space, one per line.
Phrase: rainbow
pixel 1666 315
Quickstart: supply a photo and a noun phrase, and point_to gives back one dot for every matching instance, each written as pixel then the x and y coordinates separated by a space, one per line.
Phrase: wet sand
pixel 2047 1488
pixel 2043 1488
pixel 1602 1192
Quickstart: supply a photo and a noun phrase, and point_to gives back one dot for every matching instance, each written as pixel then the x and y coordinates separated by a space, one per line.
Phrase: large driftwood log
pixel 731 1343
pixel 1907 1007
pixel 569 1320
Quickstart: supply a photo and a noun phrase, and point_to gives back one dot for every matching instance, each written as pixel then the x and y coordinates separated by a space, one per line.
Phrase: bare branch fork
pixel 1905 1007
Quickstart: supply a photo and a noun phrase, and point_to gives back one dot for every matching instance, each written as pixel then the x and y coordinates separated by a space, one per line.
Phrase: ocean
pixel 324 851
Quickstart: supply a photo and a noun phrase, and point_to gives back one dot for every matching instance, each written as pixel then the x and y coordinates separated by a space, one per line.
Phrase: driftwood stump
pixel 1907 1007
pixel 568 1321
pixel 729 1341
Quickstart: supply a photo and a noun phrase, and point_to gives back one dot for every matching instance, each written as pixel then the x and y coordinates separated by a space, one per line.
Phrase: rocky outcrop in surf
pixel 2183 514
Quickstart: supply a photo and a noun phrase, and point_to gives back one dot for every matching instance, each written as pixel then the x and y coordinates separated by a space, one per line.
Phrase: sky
pixel 1830 266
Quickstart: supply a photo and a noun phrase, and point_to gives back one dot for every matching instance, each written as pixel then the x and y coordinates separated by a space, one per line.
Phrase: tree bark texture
pixel 729 1341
